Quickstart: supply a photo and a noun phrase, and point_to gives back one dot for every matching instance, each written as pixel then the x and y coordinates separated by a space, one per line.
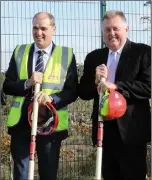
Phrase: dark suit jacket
pixel 15 87
pixel 133 78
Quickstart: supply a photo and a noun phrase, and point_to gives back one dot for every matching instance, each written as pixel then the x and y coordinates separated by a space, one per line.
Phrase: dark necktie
pixel 39 67
pixel 40 62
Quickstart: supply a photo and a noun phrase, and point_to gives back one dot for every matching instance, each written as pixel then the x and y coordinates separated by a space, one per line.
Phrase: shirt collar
pixel 119 51
pixel 47 50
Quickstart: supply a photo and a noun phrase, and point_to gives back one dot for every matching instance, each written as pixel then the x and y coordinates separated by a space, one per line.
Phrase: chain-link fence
pixel 79 26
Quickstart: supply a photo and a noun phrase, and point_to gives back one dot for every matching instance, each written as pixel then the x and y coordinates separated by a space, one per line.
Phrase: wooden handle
pixel 35 110
pixel 33 134
pixel 99 140
pixel 103 79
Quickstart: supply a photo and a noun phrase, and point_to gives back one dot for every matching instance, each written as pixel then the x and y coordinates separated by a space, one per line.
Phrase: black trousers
pixel 47 152
pixel 121 161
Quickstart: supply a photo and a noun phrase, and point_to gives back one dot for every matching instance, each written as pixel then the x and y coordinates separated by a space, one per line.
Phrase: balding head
pixel 44 15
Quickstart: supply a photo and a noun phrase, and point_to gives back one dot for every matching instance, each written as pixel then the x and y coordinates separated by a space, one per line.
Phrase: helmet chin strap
pixel 47 123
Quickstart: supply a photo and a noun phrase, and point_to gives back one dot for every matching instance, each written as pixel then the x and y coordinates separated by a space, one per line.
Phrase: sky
pixel 78 24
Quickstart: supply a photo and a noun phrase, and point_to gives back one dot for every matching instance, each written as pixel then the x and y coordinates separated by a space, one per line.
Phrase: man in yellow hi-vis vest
pixel 59 80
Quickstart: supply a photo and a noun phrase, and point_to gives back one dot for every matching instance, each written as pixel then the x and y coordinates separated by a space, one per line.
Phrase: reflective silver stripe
pixel 63 65
pixel 19 58
pixel 65 108
pixel 52 86
pixel 15 104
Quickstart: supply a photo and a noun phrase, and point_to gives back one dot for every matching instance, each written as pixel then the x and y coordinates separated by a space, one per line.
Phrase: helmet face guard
pixel 47 118
pixel 113 105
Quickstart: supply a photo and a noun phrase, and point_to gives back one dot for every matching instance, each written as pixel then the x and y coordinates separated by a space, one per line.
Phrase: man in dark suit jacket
pixel 48 147
pixel 124 139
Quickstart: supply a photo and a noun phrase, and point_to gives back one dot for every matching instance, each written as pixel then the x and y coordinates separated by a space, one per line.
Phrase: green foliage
pixel 79 70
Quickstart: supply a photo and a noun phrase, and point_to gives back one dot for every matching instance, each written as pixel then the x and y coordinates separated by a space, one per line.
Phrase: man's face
pixel 115 32
pixel 42 31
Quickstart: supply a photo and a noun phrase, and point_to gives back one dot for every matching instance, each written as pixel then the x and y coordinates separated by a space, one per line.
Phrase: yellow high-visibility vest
pixel 53 80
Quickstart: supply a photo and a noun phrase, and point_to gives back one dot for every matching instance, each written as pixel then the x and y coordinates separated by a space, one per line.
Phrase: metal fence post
pixel 102 11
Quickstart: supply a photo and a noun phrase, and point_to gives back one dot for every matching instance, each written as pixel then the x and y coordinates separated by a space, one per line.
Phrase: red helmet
pixel 113 105
pixel 47 118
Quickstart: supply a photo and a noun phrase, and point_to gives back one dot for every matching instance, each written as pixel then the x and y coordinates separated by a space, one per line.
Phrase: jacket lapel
pixel 123 61
pixel 30 61
pixel 105 56
pixel 53 46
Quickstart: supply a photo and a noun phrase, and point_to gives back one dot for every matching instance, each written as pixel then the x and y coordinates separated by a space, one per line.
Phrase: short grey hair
pixel 113 13
pixel 50 16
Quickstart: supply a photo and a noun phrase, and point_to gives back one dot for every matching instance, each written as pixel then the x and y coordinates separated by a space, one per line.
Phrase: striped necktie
pixel 112 67
pixel 40 62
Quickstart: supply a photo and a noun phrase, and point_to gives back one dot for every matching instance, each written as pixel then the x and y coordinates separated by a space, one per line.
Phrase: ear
pixel 127 28
pixel 54 29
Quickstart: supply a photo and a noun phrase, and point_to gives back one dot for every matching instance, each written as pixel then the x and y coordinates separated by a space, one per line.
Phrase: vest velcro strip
pixel 52 86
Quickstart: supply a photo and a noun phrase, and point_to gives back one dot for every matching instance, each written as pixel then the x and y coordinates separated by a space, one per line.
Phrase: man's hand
pixel 101 71
pixel 35 78
pixel 42 98
pixel 103 86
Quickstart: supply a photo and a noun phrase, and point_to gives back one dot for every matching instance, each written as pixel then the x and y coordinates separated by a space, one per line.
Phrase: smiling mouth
pixel 113 39
pixel 39 39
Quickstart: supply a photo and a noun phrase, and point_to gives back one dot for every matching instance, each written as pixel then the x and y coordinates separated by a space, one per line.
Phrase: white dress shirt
pixel 110 61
